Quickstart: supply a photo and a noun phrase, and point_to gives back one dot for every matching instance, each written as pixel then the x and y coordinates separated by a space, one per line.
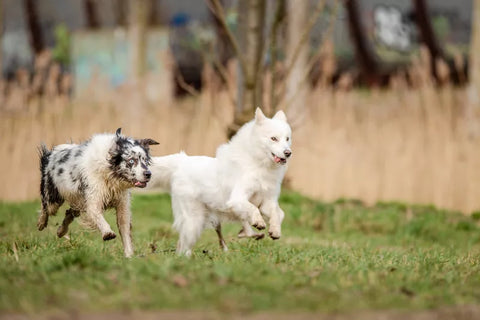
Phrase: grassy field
pixel 333 257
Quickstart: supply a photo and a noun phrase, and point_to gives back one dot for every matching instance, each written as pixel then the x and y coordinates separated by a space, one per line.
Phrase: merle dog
pixel 92 177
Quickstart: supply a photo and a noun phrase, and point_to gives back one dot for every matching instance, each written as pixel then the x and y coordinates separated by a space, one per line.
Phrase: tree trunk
pixel 34 29
pixel 474 86
pixel 297 15
pixel 278 19
pixel 366 58
pixel 427 34
pixel 120 13
pixel 91 14
pixel 1 36
pixel 251 35
pixel 153 18
pixel 138 38
pixel 475 46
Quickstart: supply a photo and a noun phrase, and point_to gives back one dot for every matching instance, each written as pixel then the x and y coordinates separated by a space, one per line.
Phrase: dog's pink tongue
pixel 138 184
pixel 277 159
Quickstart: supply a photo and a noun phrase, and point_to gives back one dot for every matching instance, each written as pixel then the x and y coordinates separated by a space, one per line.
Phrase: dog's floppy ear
pixel 118 132
pixel 145 143
pixel 280 115
pixel 259 116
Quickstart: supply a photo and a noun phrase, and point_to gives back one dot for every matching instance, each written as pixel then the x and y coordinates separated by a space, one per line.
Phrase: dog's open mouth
pixel 278 159
pixel 140 184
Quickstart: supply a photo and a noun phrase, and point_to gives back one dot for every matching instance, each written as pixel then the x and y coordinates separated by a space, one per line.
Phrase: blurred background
pixel 382 95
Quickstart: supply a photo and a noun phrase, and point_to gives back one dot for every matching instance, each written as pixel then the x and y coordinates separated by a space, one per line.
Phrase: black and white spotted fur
pixel 92 177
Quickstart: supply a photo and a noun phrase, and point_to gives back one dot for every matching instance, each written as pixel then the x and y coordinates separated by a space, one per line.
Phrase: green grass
pixel 333 257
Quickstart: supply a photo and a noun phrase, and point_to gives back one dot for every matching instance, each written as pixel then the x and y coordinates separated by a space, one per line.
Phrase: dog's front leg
pixel 94 214
pixel 272 210
pixel 247 232
pixel 124 223
pixel 239 205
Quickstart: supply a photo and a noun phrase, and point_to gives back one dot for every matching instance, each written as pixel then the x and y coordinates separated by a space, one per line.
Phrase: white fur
pixel 241 183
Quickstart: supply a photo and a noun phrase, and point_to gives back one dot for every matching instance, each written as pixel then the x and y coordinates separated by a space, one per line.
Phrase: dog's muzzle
pixel 143 184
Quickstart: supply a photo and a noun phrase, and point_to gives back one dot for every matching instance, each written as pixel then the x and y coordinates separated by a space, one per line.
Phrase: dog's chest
pixel 261 187
pixel 266 182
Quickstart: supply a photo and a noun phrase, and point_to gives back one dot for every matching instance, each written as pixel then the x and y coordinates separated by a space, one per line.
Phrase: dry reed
pixel 418 145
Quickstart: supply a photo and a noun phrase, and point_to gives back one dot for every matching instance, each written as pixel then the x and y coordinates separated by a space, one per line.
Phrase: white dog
pixel 241 183
pixel 92 177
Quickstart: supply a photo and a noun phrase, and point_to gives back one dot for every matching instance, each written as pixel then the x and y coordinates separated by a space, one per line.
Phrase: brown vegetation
pixel 418 144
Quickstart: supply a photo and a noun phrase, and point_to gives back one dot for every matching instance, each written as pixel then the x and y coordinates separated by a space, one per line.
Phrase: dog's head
pixel 130 158
pixel 275 136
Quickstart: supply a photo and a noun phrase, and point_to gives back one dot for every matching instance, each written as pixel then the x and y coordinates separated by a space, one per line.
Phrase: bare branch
pixel 184 85
pixel 217 10
pixel 304 37
pixel 315 57
pixel 328 35
pixel 224 75
pixel 222 71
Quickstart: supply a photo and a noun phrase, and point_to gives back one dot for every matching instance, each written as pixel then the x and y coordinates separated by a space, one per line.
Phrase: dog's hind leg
pixel 51 199
pixel 70 214
pixel 42 219
pixel 48 209
pixel 221 241
pixel 189 222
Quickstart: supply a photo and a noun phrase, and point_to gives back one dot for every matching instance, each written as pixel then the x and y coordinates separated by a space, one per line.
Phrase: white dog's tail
pixel 162 169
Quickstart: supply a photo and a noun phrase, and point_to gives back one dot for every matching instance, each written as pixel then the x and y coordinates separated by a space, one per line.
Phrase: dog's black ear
pixel 118 132
pixel 147 142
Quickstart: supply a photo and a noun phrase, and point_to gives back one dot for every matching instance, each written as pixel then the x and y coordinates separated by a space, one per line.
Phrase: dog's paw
pixel 259 223
pixel 62 230
pixel 109 236
pixel 275 235
pixel 41 226
pixel 242 234
pixel 42 223
pixel 258 236
pixel 260 226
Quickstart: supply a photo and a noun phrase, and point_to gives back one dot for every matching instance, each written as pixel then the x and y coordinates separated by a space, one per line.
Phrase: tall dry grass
pixel 415 144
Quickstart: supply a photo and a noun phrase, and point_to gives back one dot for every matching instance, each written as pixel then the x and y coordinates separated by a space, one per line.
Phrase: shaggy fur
pixel 241 183
pixel 92 177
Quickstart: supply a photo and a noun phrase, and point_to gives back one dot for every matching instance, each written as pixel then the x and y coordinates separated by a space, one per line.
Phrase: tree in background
pixel 251 19
pixel 138 21
pixel 91 14
pixel 255 40
pixel 474 86
pixel 33 24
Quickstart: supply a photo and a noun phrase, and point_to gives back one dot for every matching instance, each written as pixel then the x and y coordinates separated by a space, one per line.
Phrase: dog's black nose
pixel 147 174
pixel 287 153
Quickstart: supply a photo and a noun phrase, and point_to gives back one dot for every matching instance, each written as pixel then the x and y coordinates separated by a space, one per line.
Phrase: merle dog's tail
pixel 162 169
pixel 44 155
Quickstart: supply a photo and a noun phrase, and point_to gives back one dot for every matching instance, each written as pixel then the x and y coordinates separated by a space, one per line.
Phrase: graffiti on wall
pixel 391 29
pixel 110 58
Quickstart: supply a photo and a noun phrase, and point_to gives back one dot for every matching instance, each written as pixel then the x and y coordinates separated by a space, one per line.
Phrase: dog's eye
pixel 274 139
pixel 131 162
pixel 288 138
